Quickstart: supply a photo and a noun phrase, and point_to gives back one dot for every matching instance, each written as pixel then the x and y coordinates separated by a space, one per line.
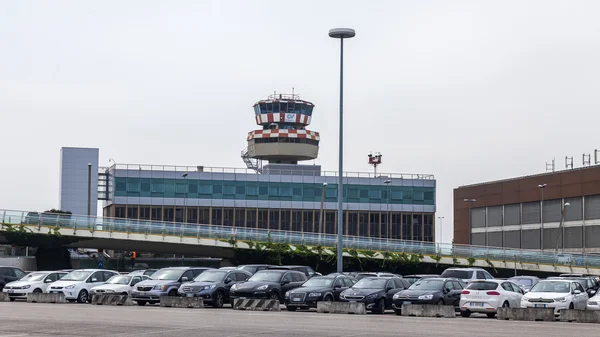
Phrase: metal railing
pixel 206 169
pixel 188 230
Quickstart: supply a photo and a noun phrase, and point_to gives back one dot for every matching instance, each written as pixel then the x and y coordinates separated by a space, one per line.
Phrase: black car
pixel 213 286
pixel 441 291
pixel 414 278
pixel 360 276
pixel 253 268
pixel 308 271
pixel 10 274
pixel 318 288
pixel 268 284
pixel 375 292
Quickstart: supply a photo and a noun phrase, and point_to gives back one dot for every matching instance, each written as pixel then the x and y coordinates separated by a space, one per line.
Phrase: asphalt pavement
pixel 30 319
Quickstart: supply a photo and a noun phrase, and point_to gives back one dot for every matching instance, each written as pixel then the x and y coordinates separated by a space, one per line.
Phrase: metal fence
pixel 187 230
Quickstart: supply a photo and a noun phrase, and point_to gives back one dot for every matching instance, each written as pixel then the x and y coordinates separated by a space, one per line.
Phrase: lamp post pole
pixel 321 212
pixel 469 201
pixel 387 211
pixel 441 218
pixel 341 33
pixel 89 191
pixel 561 229
pixel 542 187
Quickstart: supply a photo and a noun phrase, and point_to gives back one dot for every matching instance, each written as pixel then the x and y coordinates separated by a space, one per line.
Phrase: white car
pixel 77 284
pixel 556 294
pixel 489 295
pixel 36 282
pixel 594 303
pixel 121 284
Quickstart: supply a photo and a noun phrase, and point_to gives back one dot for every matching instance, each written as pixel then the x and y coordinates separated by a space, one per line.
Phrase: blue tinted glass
pixel 297 191
pixel 397 195
pixel 205 189
pixel 229 189
pixel 374 194
pixel 273 191
pixel 309 192
pixel 284 106
pixel 240 190
pixel 263 190
pixel 276 107
pixel 217 189
pixel 133 187
pixel 263 108
pixel 180 188
pixel 309 110
pixel 252 190
pixel 193 188
pixel 158 187
pixel 121 186
pixel 418 195
pixel 330 192
pixel 285 191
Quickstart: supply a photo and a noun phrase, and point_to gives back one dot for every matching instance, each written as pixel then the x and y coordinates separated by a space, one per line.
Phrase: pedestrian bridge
pixel 217 241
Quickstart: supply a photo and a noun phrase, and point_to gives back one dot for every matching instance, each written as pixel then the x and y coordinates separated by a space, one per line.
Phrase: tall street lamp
pixel 184 176
pixel 321 212
pixel 89 191
pixel 341 33
pixel 469 201
pixel 387 211
pixel 441 219
pixel 561 229
pixel 542 187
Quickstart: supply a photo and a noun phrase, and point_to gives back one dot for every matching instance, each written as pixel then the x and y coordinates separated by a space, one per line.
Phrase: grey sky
pixel 466 90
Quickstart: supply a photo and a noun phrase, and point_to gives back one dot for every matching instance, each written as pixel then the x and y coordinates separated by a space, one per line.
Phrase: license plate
pixel 407 302
pixel 142 293
pixel 242 298
pixel 10 291
pixel 189 295
pixel 296 300
pixel 474 304
pixel 539 305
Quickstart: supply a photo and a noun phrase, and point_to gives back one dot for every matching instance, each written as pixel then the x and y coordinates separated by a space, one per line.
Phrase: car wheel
pixel 571 306
pixel 379 308
pixel 82 297
pixel 218 300
pixel 505 305
pixel 441 302
pixel 398 312
pixel 328 298
pixel 491 314
pixel 172 292
pixel 274 296
pixel 12 299
pixel 141 303
pixel 124 294
pixel 465 313
pixel 291 308
pixel 37 291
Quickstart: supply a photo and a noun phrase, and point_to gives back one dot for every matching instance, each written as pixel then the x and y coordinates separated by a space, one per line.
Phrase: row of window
pixel 252 190
pixel 286 140
pixel 283 107
pixel 406 226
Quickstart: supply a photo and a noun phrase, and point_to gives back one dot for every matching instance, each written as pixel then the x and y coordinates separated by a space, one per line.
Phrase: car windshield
pixel 250 269
pixel 551 287
pixel 482 286
pixel 318 282
pixel 526 282
pixel 427 285
pixel 77 275
pixel 453 273
pixel 34 277
pixel 265 276
pixel 371 283
pixel 211 276
pixel 167 274
pixel 119 280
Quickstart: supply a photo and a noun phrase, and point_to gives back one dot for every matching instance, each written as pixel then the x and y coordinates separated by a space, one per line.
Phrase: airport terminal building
pixel 551 211
pixel 279 195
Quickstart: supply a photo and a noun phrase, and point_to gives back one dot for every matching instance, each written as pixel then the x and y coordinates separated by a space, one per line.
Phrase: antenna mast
pixel 375 160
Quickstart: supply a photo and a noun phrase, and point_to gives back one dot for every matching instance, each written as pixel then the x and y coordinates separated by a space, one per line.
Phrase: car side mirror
pixel 184 279
pixel 445 291
pixel 576 292
pixel 94 280
pixel 228 280
pixel 284 282
pixel 47 280
pixel 337 286
pixel 388 289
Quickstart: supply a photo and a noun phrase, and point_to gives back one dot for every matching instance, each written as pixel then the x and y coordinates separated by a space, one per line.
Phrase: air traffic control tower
pixel 283 139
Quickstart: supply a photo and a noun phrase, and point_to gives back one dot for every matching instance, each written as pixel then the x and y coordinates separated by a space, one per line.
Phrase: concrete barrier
pixel 111 299
pixel 341 308
pixel 526 314
pixel 181 302
pixel 580 316
pixel 256 304
pixel 4 297
pixel 428 310
pixel 46 298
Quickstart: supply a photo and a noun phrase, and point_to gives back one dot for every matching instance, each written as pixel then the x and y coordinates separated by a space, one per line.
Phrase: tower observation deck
pixel 283 137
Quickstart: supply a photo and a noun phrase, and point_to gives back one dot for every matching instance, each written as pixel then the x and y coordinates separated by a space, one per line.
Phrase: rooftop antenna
pixel 550 166
pixel 375 160
pixel 568 162
pixel 587 159
pixel 596 159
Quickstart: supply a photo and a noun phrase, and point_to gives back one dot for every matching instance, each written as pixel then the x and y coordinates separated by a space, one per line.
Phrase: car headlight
pixel 425 297
pixel 26 287
pixel 159 287
pixel 396 296
pixel 369 297
pixel 560 299
pixel 342 296
pixel 208 287
pixel 287 294
pixel 109 291
pixel 263 287
pixel 314 294
pixel 70 287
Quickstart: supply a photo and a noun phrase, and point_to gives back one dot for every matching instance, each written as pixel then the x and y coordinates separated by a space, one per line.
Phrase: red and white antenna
pixel 375 160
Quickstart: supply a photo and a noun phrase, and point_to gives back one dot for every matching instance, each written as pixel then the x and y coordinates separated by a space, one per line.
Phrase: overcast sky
pixel 467 90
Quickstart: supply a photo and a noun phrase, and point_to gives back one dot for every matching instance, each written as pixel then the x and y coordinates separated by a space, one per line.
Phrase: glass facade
pixel 277 191
pixel 404 225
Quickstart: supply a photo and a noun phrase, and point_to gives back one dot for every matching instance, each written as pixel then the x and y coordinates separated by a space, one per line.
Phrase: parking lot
pixel 30 319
